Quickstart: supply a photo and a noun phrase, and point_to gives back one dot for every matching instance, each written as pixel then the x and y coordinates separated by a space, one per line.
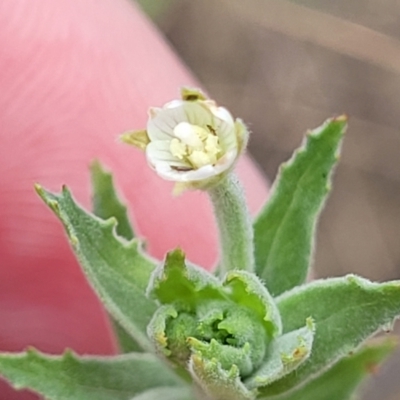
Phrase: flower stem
pixel 234 225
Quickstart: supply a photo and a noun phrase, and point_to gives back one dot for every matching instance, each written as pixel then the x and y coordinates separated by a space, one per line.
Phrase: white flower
pixel 191 141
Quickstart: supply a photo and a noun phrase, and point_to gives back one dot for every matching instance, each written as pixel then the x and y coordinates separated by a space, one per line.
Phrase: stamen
pixel 195 144
pixel 199 158
pixel 178 149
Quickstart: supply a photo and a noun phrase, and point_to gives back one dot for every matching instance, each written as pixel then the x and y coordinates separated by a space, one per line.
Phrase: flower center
pixel 195 144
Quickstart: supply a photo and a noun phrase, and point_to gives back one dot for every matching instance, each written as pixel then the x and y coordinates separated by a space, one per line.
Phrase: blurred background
pixel 284 67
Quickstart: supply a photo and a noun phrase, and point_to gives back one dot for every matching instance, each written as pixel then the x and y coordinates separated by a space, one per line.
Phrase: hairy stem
pixel 234 225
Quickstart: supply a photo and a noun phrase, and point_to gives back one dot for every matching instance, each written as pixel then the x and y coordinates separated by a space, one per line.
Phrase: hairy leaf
pixel 287 352
pixel 340 381
pixel 218 383
pixel 284 230
pixel 117 269
pixel 106 204
pixel 105 201
pixel 166 393
pixel 70 377
pixel 346 311
pixel 214 323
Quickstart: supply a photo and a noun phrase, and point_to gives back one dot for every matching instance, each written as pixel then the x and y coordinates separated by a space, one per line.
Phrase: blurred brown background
pixel 286 66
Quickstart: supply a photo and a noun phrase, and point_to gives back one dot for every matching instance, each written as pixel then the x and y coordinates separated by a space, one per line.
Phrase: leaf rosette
pixel 227 333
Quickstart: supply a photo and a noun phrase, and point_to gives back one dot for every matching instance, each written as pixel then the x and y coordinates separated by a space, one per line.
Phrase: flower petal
pixel 159 151
pixel 163 168
pixel 158 129
pixel 223 114
pixel 189 126
pixel 162 125
pixel 197 113
pixel 165 171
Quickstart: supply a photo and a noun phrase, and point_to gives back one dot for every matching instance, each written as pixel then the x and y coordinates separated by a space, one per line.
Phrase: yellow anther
pixel 197 145
pixel 212 145
pixel 178 149
pixel 199 159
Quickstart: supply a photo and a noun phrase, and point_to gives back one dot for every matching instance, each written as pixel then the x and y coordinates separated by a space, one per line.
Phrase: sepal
pixel 139 139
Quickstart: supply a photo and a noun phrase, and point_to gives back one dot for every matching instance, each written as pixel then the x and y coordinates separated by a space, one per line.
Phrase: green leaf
pixel 117 269
pixel 126 343
pixel 106 204
pixel 340 381
pixel 166 393
pixel 346 312
pixel 175 280
pixel 232 320
pixel 191 285
pixel 287 352
pixel 245 288
pixel 218 383
pixel 284 230
pixel 70 377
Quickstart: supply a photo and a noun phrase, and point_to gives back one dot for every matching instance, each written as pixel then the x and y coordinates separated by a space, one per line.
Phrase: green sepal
pixel 192 94
pixel 72 377
pixel 106 204
pixel 242 135
pixel 284 230
pixel 139 139
pixel 286 353
pixel 117 269
pixel 340 381
pixel 216 382
pixel 346 311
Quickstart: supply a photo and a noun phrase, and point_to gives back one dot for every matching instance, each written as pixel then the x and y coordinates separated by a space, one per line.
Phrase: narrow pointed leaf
pixel 106 204
pixel 340 381
pixel 346 312
pixel 105 201
pixel 117 269
pixel 70 377
pixel 284 230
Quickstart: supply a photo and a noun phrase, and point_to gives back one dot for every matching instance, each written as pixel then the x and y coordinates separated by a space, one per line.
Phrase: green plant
pixel 255 328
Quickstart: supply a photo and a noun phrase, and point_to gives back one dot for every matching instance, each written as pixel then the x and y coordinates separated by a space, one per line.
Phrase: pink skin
pixel 74 74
